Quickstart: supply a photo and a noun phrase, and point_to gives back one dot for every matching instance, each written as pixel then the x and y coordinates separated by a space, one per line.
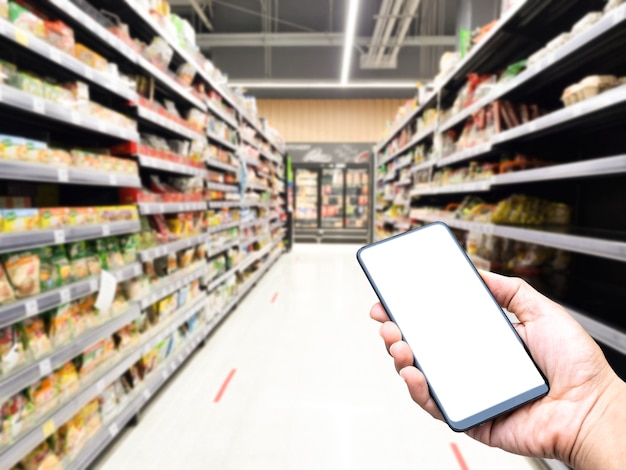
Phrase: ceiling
pixel 299 42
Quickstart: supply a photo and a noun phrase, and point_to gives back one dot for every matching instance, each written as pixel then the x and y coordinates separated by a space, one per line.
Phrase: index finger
pixel 378 313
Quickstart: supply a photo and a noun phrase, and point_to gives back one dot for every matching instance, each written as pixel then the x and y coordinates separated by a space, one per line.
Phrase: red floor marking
pixel 274 297
pixel 218 397
pixel 459 456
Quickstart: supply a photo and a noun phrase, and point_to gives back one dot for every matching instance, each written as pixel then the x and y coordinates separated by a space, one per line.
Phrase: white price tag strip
pixel 63 175
pixel 106 230
pixel 113 180
pixel 75 118
pixel 59 237
pixel 55 54
pixel 93 285
pixel 39 105
pixel 100 386
pixel 114 430
pixel 32 308
pixel 65 296
pixel 147 394
pixel 45 368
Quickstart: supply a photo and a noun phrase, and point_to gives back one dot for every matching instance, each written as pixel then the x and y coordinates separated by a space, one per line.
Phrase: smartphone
pixel 475 363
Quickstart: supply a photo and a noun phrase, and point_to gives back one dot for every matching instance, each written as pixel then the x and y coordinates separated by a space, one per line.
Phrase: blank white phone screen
pixel 463 343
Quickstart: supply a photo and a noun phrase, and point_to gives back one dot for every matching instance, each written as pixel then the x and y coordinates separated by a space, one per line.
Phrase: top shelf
pixel 522 30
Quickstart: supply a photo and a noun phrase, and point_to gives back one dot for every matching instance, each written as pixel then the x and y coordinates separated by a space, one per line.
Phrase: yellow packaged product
pixel 68 380
pixel 80 216
pixel 34 336
pixel 19 220
pixel 89 57
pixel 91 417
pixel 51 218
pixel 45 394
pixel 60 325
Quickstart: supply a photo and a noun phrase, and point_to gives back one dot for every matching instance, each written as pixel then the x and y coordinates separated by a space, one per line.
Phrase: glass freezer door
pixel 332 197
pixel 357 198
pixel 306 198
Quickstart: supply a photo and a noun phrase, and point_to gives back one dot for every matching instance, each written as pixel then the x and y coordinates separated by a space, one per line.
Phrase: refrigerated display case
pixel 332 203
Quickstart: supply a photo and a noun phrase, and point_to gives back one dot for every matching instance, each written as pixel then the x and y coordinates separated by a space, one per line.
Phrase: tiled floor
pixel 311 387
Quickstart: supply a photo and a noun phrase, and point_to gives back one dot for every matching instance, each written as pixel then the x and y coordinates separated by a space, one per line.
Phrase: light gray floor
pixel 313 388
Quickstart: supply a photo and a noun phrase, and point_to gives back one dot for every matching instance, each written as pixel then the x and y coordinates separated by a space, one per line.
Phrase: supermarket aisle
pixel 296 378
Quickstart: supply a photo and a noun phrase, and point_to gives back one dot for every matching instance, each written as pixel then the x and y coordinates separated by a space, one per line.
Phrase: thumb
pixel 516 295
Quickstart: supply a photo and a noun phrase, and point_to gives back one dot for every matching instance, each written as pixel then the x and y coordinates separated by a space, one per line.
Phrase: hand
pixel 582 421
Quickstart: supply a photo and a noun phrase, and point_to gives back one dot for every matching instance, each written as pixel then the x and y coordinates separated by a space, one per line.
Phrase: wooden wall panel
pixel 330 120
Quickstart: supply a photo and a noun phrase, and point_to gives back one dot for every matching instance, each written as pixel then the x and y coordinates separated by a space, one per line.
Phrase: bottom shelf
pixel 140 397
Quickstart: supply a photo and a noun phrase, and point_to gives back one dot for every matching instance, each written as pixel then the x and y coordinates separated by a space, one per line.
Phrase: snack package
pixel 52 218
pixel 19 220
pixel 115 259
pixel 61 265
pixel 11 349
pixel 44 394
pixel 128 245
pixel 90 317
pixel 34 336
pixel 42 458
pixel 77 253
pixel 26 20
pixel 71 437
pixel 6 291
pixel 17 413
pixel 60 328
pixel 48 277
pixel 23 271
pixel 68 379
pixel 93 260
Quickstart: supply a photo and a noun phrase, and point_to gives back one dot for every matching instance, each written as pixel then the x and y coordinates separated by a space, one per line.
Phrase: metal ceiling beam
pixel 307 40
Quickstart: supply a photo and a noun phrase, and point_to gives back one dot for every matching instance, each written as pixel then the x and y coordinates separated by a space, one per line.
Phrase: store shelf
pixel 167 124
pixel 223 204
pixel 254 162
pixel 20 100
pixel 466 154
pixel 92 26
pixel 16 170
pixel 554 66
pixel 609 336
pixel 585 169
pixel 215 250
pixel 270 157
pixel 584 113
pixel 146 161
pixel 221 114
pixel 212 163
pixel 214 283
pixel 221 141
pixel 17 311
pixel 472 187
pixel 21 378
pixel 255 203
pixel 101 378
pixel 140 397
pixel 253 258
pixel 604 248
pixel 257 187
pixel 173 247
pixel 255 222
pixel 170 284
pixel 18 241
pixel 222 227
pixel 423 165
pixel 62 59
pixel 227 188
pixel 148 208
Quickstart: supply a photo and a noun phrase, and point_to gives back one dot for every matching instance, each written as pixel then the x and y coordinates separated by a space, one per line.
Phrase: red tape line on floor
pixel 459 456
pixel 219 395
pixel 274 297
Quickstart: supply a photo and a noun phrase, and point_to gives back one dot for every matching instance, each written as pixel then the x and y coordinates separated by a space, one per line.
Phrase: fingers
pixel 418 389
pixel 377 312
pixel 402 355
pixel 390 334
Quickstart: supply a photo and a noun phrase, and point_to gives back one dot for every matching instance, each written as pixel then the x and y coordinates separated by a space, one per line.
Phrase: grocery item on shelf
pixel 527 210
pixel 589 87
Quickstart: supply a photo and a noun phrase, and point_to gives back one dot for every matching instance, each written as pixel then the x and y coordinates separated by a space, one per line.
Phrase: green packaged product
pixel 48 276
pixel 129 245
pixel 61 264
pixel 114 253
pixel 77 253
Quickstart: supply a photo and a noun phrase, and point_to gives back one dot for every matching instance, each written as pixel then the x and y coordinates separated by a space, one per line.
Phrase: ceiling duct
pixel 392 25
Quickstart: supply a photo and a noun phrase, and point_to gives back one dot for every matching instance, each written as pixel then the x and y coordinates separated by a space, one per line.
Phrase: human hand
pixel 581 421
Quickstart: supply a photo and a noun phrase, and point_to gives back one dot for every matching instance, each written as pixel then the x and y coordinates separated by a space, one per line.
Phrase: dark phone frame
pixel 496 410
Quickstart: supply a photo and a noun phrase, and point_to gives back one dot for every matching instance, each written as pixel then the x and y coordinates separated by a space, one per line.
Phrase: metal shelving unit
pixel 36 238
pixel 65 124
pixel 581 142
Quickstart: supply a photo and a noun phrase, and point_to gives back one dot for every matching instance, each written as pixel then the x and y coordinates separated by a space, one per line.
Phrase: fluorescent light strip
pixel 322 85
pixel 348 44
